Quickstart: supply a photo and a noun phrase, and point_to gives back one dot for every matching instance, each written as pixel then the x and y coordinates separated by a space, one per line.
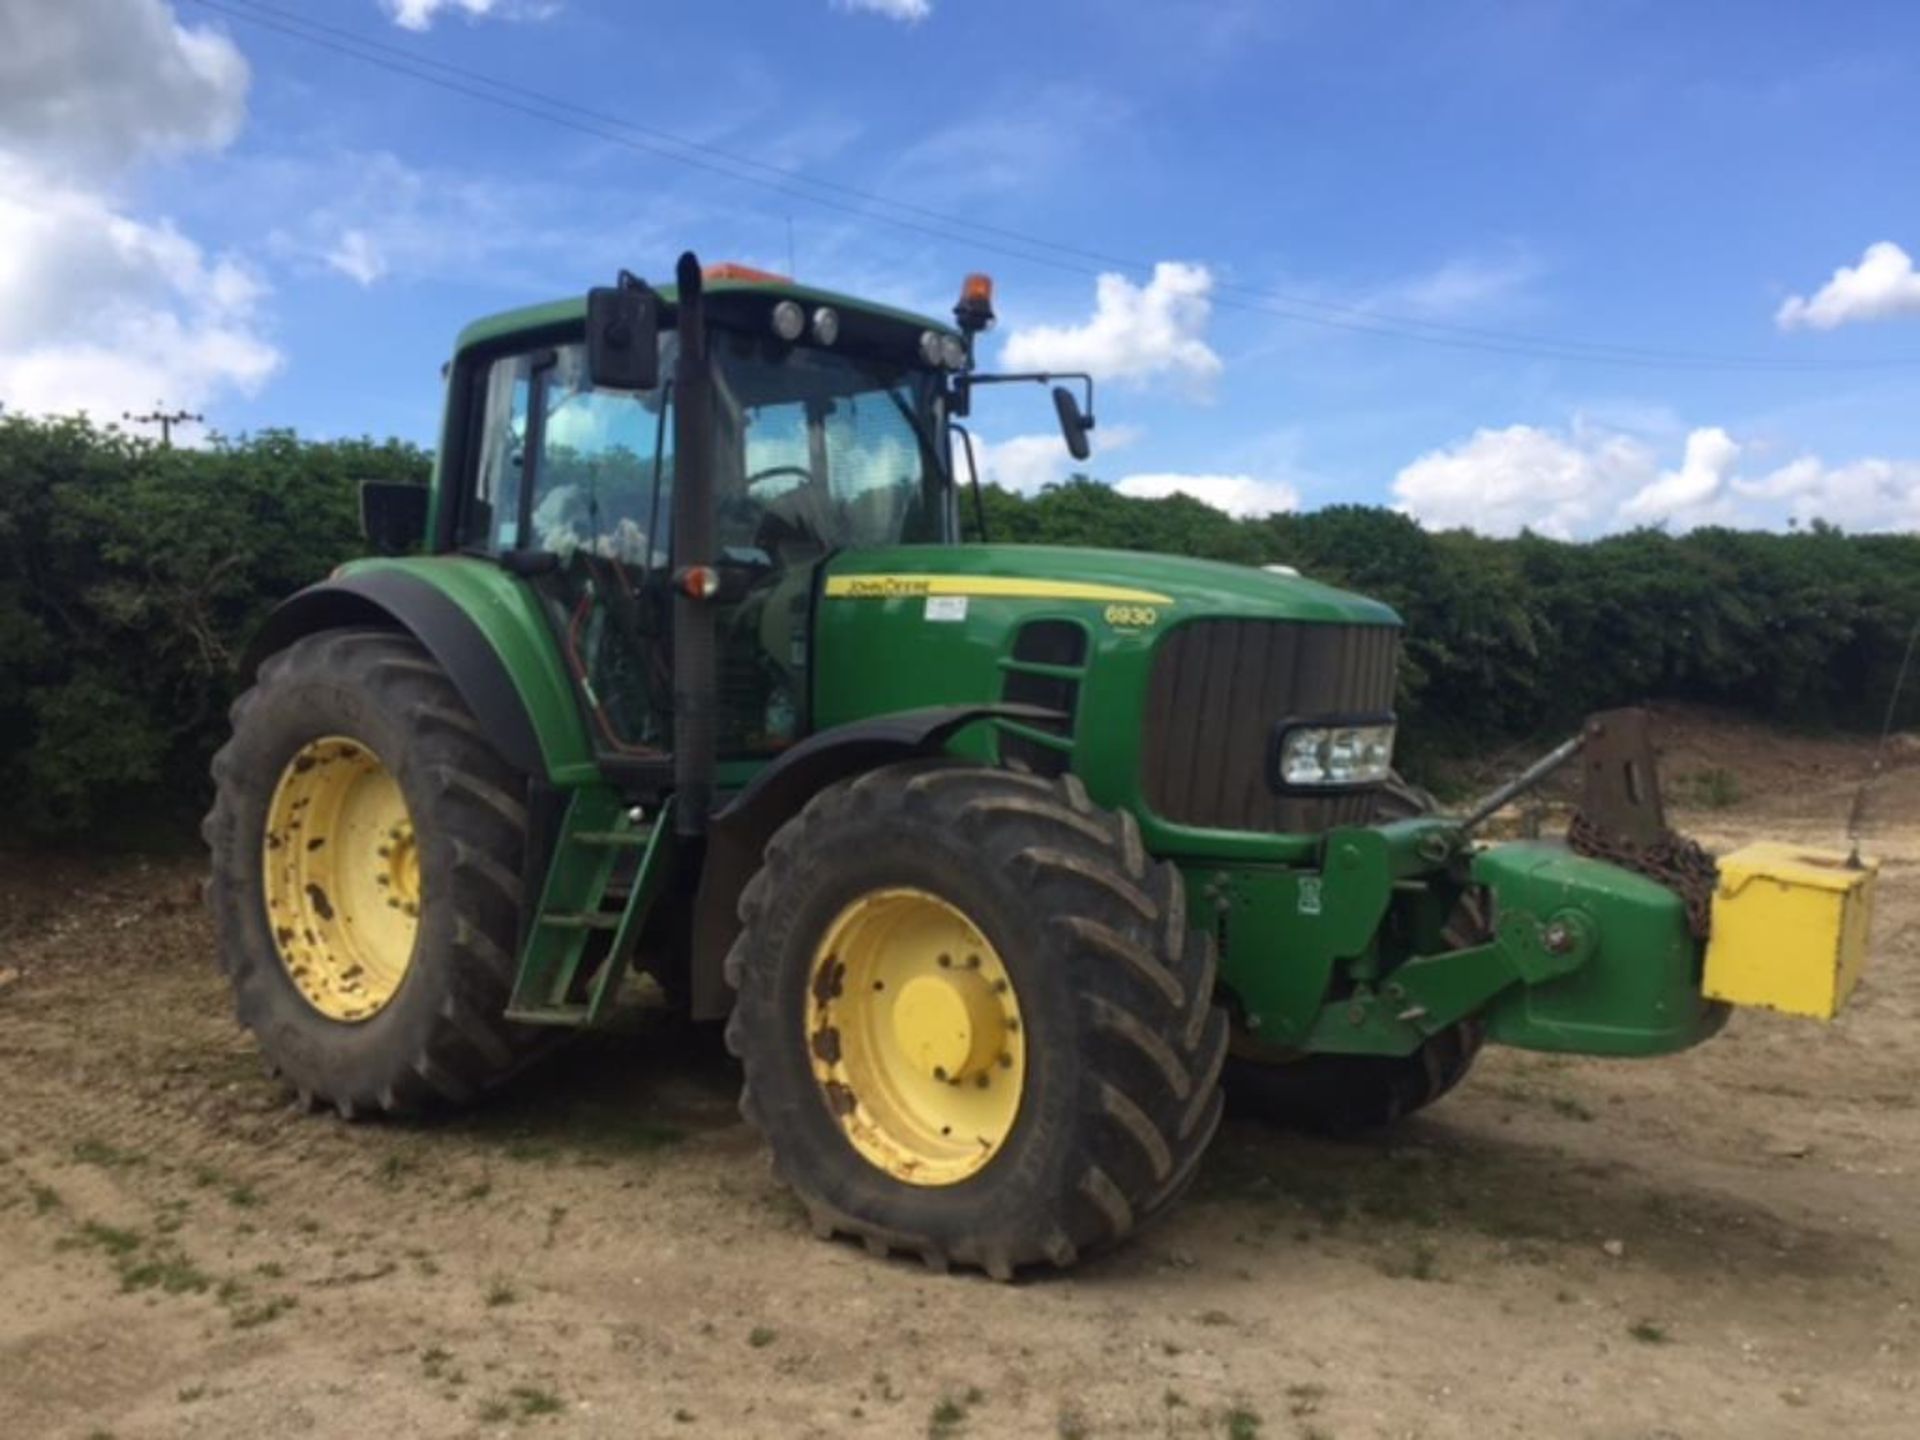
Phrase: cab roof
pixel 527 318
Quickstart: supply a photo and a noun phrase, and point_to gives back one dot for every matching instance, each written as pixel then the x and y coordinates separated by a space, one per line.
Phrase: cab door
pixel 573 490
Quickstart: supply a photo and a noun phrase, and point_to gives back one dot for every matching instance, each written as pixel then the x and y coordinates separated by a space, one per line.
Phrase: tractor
pixel 1002 864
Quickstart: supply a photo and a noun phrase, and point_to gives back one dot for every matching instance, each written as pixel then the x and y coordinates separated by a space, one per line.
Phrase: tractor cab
pixel 823 427
pixel 821 424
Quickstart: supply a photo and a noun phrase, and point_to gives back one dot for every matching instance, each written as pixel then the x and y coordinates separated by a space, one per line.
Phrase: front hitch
pixel 1622 818
pixel 1771 925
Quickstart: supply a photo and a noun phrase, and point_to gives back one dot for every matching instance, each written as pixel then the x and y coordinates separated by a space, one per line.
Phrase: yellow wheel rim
pixel 914 1030
pixel 342 878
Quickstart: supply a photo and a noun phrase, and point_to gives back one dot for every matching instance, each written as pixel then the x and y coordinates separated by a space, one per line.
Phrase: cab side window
pixel 564 467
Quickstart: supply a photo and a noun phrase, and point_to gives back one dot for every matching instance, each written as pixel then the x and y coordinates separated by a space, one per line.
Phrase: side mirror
pixel 393 515
pixel 1073 425
pixel 623 337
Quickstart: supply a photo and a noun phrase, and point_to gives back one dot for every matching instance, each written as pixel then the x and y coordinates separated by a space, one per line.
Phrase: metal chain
pixel 1680 864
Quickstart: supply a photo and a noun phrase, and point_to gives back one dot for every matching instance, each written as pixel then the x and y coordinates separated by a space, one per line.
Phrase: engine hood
pixel 1176 586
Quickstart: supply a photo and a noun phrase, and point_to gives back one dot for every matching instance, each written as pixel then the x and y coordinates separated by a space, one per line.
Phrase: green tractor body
pixel 990 852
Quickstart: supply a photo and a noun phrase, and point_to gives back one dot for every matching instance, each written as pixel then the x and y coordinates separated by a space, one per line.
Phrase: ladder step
pixel 551 1015
pixel 592 920
pixel 629 838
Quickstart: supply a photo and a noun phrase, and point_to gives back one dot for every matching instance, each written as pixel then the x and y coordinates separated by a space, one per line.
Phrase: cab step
pixel 592 909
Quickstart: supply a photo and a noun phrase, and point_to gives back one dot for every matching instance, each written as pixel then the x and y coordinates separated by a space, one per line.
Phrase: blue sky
pixel 278 233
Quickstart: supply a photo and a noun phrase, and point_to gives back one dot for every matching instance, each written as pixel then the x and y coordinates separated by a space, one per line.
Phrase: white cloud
pixel 1030 463
pixel 419 14
pixel 95 84
pixel 1883 285
pixel 508 233
pixel 1689 493
pixel 1867 494
pixel 356 256
pixel 161 320
pixel 1502 481
pixel 910 11
pixel 1241 495
pixel 1135 333
pixel 1001 150
pixel 102 310
pixel 1462 286
pixel 1589 480
pixel 1026 463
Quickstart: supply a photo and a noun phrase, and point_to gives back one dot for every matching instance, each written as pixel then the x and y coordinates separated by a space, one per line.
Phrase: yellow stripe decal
pixel 998 587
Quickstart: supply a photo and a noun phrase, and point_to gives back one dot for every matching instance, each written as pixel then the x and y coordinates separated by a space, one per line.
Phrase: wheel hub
pixel 915 1036
pixel 949 1027
pixel 341 878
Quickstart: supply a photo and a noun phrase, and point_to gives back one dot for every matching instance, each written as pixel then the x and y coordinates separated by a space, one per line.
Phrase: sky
pixel 1574 267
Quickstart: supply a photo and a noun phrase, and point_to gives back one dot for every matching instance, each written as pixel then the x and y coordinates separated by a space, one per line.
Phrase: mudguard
pixel 406 602
pixel 740 830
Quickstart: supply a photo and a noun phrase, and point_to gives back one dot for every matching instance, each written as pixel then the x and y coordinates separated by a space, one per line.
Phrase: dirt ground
pixel 1722 1243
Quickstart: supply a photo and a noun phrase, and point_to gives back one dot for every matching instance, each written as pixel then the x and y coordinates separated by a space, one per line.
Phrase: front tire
pixel 367 845
pixel 974 1022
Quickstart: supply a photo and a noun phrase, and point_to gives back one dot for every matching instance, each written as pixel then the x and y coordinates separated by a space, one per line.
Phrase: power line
pixel 871 206
pixel 165 419
pixel 1365 318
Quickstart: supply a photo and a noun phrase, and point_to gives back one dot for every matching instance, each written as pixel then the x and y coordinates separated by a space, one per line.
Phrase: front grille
pixel 1218 688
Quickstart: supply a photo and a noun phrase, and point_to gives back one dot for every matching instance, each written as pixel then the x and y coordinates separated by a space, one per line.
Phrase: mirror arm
pixel 967 379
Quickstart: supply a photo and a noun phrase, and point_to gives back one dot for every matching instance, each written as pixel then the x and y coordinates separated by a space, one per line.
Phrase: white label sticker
pixel 1309 894
pixel 946 607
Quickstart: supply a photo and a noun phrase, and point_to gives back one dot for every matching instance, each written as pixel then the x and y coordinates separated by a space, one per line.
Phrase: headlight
pixel 953 354
pixel 930 346
pixel 826 325
pixel 1334 756
pixel 788 320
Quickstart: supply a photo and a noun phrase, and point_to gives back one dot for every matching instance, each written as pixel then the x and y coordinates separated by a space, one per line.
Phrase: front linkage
pixel 1628 940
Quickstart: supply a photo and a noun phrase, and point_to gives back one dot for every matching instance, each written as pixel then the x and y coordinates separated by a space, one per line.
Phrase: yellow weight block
pixel 1789 928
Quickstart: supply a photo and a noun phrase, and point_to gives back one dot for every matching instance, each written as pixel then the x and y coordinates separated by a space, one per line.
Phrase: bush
pixel 1509 637
pixel 132 575
pixel 130 578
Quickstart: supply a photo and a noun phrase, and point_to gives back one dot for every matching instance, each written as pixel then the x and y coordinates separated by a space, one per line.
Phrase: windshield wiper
pixel 920 433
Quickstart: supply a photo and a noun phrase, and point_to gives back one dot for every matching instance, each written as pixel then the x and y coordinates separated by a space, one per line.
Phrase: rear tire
pixel 1120 1043
pixel 436 1036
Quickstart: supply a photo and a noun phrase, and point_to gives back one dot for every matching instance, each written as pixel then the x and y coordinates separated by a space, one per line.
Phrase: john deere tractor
pixel 993 858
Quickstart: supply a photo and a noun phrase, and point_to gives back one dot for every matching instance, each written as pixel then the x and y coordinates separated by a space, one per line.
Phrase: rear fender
pixel 552 748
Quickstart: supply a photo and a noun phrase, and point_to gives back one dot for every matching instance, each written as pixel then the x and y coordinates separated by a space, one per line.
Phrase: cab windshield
pixel 814 450
pixel 820 450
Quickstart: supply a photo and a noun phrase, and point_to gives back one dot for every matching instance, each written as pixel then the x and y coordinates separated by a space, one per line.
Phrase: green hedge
pixel 1507 638
pixel 130 577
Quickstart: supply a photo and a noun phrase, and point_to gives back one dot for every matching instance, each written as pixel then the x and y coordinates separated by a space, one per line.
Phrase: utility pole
pixel 166 420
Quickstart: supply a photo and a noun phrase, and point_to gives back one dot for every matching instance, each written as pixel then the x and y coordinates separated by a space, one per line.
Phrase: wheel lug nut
pixel 973 962
pixel 946 962
pixel 980 1081
pixel 939 1072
